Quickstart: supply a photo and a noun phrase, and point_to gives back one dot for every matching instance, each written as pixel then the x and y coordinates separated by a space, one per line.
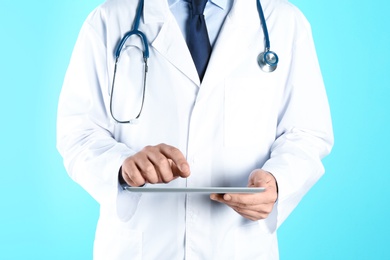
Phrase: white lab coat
pixel 237 120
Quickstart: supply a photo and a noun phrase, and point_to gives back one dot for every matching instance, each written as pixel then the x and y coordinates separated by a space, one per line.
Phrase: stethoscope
pixel 267 60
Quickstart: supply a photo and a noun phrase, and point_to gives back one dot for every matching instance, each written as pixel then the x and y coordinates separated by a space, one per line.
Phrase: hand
pixel 155 164
pixel 253 206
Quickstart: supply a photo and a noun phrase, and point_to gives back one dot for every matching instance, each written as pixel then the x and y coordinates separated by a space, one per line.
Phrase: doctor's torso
pixel 225 126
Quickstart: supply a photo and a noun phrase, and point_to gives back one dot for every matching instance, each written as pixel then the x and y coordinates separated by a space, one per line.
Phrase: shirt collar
pixel 223 4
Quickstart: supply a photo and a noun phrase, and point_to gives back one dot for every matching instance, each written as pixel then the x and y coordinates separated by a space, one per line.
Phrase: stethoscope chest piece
pixel 268 61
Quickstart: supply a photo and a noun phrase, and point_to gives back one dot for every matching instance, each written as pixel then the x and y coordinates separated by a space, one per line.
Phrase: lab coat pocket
pixel 248 111
pixel 116 241
pixel 251 242
pixel 131 245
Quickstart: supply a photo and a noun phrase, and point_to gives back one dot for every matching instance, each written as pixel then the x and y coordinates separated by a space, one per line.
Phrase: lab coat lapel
pixel 238 36
pixel 169 41
pixel 171 44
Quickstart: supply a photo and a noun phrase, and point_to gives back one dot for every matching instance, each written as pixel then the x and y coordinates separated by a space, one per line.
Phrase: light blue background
pixel 44 215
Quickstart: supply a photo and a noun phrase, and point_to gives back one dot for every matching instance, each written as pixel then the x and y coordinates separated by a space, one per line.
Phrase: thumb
pixel 264 179
pixel 260 178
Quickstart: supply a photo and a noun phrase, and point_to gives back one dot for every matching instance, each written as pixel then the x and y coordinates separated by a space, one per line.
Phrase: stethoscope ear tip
pixel 268 61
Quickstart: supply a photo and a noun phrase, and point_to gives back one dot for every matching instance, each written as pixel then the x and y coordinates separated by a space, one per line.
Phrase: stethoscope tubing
pixel 264 26
pixel 267 60
pixel 135 31
pixel 124 39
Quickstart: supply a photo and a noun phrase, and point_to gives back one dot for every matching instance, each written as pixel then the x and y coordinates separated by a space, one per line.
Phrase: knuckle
pixel 137 183
pixel 152 181
pixel 167 175
pixel 162 146
pixel 166 179
pixel 128 162
pixel 238 210
pixel 149 170
pixel 173 150
pixel 149 174
pixel 269 210
pixel 161 161
pixel 136 180
pixel 239 200
pixel 127 179
pixel 263 216
pixel 147 148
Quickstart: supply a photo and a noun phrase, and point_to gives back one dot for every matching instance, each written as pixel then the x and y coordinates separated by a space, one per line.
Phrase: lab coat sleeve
pixel 92 157
pixel 304 131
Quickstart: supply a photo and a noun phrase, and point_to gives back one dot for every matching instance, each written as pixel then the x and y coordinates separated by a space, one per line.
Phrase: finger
pixel 226 199
pixel 182 167
pixel 145 166
pixel 136 180
pixel 252 214
pixel 176 171
pixel 261 209
pixel 162 167
pixel 217 197
pixel 261 178
pixel 131 174
pixel 243 199
pixel 148 171
pixel 240 200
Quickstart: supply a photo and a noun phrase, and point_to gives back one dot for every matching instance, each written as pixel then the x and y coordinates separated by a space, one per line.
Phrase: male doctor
pixel 225 123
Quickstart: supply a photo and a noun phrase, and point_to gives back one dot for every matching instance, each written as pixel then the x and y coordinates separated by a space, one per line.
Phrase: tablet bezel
pixel 209 190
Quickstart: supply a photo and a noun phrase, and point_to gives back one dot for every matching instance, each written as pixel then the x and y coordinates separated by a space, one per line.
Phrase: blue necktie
pixel 198 38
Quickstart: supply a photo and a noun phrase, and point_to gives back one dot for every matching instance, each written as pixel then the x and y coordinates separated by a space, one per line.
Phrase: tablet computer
pixel 209 190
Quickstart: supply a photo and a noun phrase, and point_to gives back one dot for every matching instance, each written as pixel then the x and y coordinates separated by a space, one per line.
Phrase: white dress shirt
pixel 215 13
